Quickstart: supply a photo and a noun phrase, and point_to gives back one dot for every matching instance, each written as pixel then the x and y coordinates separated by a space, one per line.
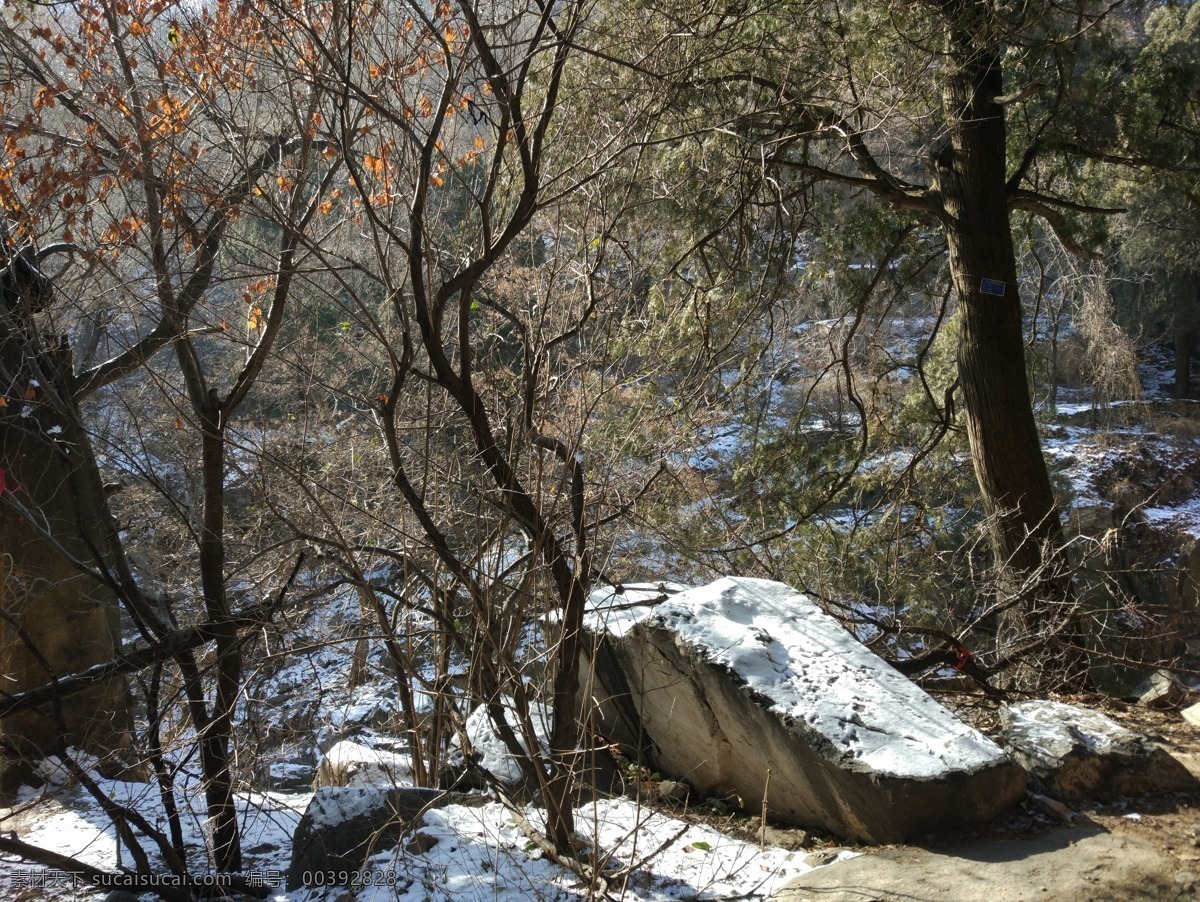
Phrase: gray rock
pixel 1051 808
pixel 1081 754
pixel 821 858
pixel 673 791
pixel 1192 714
pixel 1161 689
pixel 351 764
pixel 783 837
pixel 289 776
pixel 746 690
pixel 342 826
pixel 1080 865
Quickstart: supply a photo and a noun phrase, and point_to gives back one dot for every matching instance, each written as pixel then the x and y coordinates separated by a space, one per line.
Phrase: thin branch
pixel 170 327
pixel 1041 206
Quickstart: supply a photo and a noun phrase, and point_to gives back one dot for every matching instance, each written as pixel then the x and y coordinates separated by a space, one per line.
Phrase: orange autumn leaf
pixel 374 164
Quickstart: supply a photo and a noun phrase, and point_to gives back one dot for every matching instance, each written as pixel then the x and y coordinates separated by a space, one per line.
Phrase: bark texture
pixel 1185 339
pixel 55 617
pixel 970 170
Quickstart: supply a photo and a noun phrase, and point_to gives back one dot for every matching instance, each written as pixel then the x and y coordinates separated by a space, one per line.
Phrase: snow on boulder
pixel 1081 754
pixel 748 690
pixel 488 753
pixel 1192 714
pixel 491 758
pixel 351 764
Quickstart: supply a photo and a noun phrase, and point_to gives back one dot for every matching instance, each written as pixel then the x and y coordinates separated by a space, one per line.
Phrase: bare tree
pixel 140 141
pixel 487 315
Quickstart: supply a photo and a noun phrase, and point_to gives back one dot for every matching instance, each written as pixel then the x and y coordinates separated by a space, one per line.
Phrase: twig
pixel 587 873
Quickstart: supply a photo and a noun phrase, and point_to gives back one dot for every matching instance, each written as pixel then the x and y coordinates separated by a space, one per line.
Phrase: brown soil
pixel 1170 822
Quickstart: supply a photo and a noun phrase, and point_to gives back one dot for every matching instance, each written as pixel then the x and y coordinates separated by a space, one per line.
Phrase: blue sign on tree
pixel 991 286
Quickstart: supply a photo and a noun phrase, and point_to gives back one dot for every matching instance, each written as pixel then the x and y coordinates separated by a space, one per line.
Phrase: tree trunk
pixel 1006 453
pixel 1185 338
pixel 217 732
pixel 55 618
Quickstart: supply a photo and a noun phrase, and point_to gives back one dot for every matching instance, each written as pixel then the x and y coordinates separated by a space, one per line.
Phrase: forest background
pixel 440 305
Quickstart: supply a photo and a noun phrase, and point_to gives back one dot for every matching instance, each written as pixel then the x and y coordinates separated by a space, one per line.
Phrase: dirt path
pixel 1138 848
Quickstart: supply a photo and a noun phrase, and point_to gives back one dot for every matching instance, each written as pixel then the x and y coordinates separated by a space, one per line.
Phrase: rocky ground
pixel 1163 859
pixel 1144 848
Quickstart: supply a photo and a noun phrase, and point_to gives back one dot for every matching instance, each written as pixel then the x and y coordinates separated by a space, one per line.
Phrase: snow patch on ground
pixel 481 854
pixel 64 818
pixel 1184 517
pixel 468 853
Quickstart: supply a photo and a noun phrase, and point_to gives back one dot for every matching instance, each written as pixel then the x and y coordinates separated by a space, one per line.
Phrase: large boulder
pixel 342 826
pixel 747 690
pixel 352 764
pixel 1081 754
